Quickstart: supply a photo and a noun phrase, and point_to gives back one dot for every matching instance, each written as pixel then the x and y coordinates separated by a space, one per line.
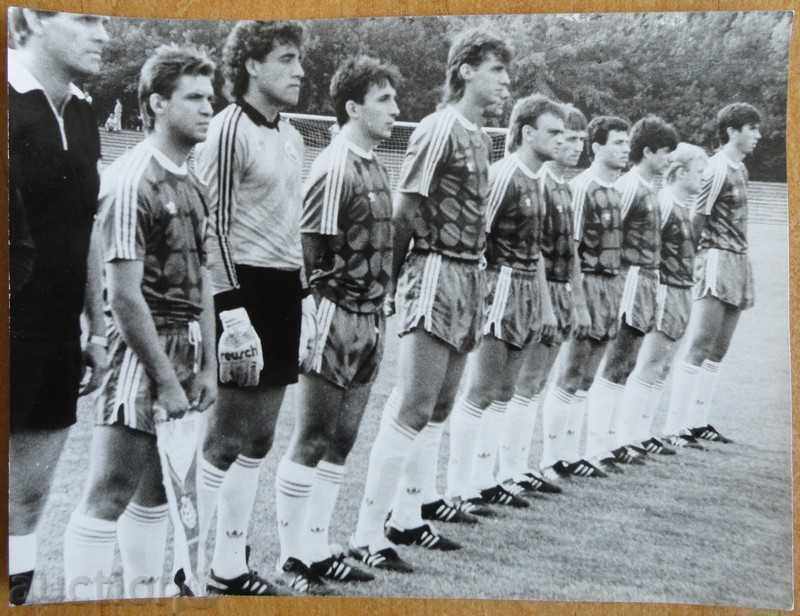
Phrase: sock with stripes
pixel 142 539
pixel 89 544
pixel 515 439
pixel 648 409
pixel 293 484
pixel 633 404
pixel 210 479
pixel 236 499
pixel 465 422
pixel 571 444
pixel 555 417
pixel 602 403
pixel 418 482
pixel 706 387
pixel 21 565
pixel 386 463
pixel 328 479
pixel 488 441
pixel 683 383
pixel 427 446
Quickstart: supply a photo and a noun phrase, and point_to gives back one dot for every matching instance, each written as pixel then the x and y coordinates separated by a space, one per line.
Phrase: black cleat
pixel 684 440
pixel 559 470
pixel 335 568
pixel 709 433
pixel 303 579
pixel 654 445
pixel 477 506
pixel 247 584
pixel 182 584
pixel 584 468
pixel 531 482
pixel 443 511
pixel 609 465
pixel 423 536
pixel 386 559
pixel 625 455
pixel 499 495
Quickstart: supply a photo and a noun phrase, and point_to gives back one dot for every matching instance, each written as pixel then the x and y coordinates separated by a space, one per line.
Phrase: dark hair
pixel 161 71
pixel 471 47
pixel 353 78
pixel 574 118
pixel 255 39
pixel 600 126
pixel 527 111
pixel 735 116
pixel 651 132
pixel 18 28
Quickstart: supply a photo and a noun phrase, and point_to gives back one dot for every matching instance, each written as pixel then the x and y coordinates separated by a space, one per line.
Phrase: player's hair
pixel 527 111
pixel 255 39
pixel 471 47
pixel 651 132
pixel 353 79
pixel 574 118
pixel 735 116
pixel 18 28
pixel 681 157
pixel 598 129
pixel 161 71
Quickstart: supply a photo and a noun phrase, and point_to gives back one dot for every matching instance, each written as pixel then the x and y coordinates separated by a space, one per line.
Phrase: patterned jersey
pixel 598 224
pixel 348 200
pixel 447 163
pixel 514 215
pixel 153 211
pixel 252 171
pixel 723 199
pixel 677 243
pixel 640 221
pixel 557 248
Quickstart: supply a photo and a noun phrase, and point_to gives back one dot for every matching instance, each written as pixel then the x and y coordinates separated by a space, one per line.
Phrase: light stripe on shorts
pixel 427 293
pixel 130 377
pixel 498 309
pixel 325 312
pixel 661 303
pixel 712 272
pixel 629 292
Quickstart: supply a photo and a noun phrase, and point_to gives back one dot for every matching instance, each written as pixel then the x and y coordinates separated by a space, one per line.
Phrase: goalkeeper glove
pixel 239 350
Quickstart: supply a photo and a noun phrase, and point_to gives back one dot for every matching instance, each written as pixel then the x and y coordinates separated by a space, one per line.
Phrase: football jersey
pixel 252 172
pixel 597 223
pixel 514 215
pixel 557 235
pixel 447 163
pixel 640 220
pixel 152 210
pixel 347 199
pixel 677 243
pixel 723 199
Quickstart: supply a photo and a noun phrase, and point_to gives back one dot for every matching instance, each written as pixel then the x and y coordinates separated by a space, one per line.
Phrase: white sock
pixel 386 463
pixel 236 499
pixel 683 383
pixel 418 482
pixel 328 479
pixel 649 410
pixel 488 441
pixel 430 443
pixel 602 403
pixel 555 418
pixel 571 445
pixel 88 557
pixel 527 428
pixel 293 484
pixel 515 438
pixel 142 538
pixel 465 422
pixel 704 394
pixel 21 553
pixel 634 412
pixel 209 481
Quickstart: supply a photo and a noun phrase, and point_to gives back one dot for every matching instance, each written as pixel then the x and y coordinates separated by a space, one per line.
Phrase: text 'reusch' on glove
pixel 239 351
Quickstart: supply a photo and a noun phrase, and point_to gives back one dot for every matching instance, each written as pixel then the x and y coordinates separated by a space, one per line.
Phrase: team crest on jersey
pixel 527 202
pixel 291 152
pixel 606 217
pixel 371 196
pixel 470 166
pixel 171 208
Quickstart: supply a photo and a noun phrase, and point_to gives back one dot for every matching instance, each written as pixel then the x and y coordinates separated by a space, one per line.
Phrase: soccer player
pixel 517 308
pixel 683 181
pixel 54 150
pixel 441 204
pixel 558 251
pixel 347 245
pixel 251 164
pixel 598 233
pixel 652 139
pixel 161 334
pixel 723 272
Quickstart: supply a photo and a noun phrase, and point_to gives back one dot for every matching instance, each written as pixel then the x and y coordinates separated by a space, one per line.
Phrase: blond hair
pixel 682 156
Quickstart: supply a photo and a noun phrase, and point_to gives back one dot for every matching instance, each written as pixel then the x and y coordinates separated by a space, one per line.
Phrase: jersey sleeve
pixel 627 187
pixel 125 216
pixel 713 180
pixel 324 192
pixel 428 148
pixel 578 188
pixel 501 190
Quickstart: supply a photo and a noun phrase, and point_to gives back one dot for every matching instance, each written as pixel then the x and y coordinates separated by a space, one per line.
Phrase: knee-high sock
pixel 488 441
pixel 465 422
pixel 88 557
pixel 210 479
pixel 634 411
pixel 21 565
pixel 428 448
pixel 517 435
pixel 418 482
pixel 705 388
pixel 236 499
pixel 142 539
pixel 683 383
pixel 555 420
pixel 293 484
pixel 601 402
pixel 328 480
pixel 649 411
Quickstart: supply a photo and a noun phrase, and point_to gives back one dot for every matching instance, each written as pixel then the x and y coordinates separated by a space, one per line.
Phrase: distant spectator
pixel 117 115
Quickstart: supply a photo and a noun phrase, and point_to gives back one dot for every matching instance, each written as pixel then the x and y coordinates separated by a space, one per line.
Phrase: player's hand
pixel 239 350
pixel 171 402
pixel 203 391
pixel 581 322
pixel 549 324
pixel 95 366
pixel 308 332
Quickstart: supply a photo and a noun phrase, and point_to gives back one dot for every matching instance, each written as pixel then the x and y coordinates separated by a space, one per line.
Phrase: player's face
pixel 547 136
pixel 188 111
pixel 489 82
pixel 74 42
pixel 572 147
pixel 658 161
pixel 692 177
pixel 747 138
pixel 615 151
pixel 279 75
pixel 379 111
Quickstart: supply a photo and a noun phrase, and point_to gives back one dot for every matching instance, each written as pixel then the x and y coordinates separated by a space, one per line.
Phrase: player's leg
pixel 652 367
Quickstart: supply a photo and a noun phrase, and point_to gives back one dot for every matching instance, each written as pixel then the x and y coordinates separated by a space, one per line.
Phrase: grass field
pixel 710 527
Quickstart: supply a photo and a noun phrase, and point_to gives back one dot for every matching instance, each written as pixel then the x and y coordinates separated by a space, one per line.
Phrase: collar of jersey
pixel 355 149
pixel 164 160
pixel 683 204
pixel 732 163
pixel 547 169
pixel 640 177
pixel 257 117
pixel 464 122
pixel 23 81
pixel 525 168
pixel 591 175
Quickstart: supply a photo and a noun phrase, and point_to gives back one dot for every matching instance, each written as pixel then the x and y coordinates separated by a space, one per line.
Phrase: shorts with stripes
pixel 602 300
pixel 512 309
pixel 637 306
pixel 673 306
pixel 127 394
pixel 561 299
pixel 726 275
pixel 444 296
pixel 349 345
